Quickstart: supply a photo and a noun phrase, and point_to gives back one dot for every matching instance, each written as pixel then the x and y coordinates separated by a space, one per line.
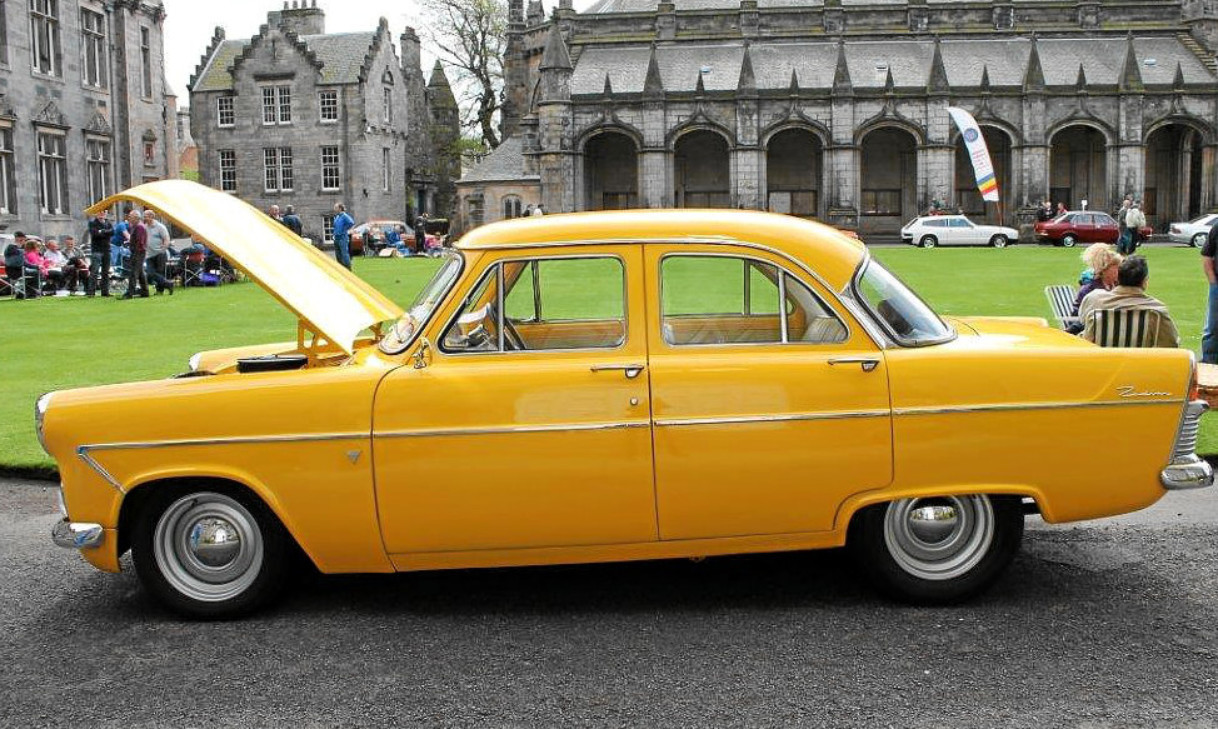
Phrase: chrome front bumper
pixel 77 535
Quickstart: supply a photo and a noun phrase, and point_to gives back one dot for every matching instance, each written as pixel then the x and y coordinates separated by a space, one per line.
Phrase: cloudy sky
pixel 189 25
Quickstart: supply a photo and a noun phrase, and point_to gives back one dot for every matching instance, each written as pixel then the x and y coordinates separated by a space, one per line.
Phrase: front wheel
pixel 937 550
pixel 1198 240
pixel 928 241
pixel 207 554
pixel 1069 240
pixel 999 241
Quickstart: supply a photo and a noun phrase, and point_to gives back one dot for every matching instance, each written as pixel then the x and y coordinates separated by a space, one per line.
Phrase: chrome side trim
pixel 506 430
pixel 794 417
pixel 84 452
pixel 998 407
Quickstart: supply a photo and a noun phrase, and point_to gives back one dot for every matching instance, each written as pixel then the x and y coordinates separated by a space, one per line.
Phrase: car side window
pixel 734 300
pixel 543 304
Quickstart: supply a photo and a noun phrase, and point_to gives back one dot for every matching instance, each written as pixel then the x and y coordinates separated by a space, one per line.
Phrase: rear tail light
pixel 1175 229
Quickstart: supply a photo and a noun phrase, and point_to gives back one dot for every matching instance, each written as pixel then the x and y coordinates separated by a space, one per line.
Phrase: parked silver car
pixel 1192 233
pixel 929 231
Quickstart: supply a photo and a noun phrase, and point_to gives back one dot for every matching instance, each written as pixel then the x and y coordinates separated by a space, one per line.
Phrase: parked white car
pixel 929 231
pixel 1192 233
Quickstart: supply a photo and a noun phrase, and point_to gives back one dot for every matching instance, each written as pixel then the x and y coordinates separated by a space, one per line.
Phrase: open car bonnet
pixel 330 301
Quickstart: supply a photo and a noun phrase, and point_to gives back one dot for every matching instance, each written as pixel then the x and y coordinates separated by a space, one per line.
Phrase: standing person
pixel 420 234
pixel 274 213
pixel 158 253
pixel 292 221
pixel 1061 210
pixel 343 223
pixel 101 231
pixel 1209 336
pixel 137 281
pixel 118 241
pixel 1134 221
pixel 540 209
pixel 528 211
pixel 1123 234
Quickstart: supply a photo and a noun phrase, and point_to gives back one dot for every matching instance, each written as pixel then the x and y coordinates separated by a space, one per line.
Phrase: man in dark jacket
pixel 137 280
pixel 100 232
pixel 292 221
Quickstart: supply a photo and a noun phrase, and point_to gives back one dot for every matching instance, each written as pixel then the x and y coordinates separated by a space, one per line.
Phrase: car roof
pixel 832 254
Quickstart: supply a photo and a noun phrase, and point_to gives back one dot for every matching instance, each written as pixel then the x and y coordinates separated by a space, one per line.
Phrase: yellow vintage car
pixel 603 387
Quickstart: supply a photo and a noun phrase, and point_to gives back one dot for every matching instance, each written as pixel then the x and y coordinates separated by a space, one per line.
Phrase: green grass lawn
pixel 56 343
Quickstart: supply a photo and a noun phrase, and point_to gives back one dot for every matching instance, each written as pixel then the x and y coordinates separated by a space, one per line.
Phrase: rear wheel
pixel 1069 240
pixel 928 241
pixel 937 550
pixel 999 241
pixel 208 554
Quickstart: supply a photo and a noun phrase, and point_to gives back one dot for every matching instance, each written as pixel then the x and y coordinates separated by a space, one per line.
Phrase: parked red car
pixel 1081 226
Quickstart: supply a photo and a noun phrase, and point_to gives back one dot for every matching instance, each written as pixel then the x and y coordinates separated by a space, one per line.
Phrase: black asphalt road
pixel 1096 625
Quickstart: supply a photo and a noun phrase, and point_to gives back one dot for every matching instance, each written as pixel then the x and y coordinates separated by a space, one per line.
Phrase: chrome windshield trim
pixel 505 430
pixel 998 407
pixel 793 417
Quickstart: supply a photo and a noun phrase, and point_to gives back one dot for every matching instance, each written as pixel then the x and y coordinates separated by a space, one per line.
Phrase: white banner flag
pixel 983 167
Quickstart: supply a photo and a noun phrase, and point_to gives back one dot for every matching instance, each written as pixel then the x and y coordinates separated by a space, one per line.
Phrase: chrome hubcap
pixel 939 538
pixel 208 547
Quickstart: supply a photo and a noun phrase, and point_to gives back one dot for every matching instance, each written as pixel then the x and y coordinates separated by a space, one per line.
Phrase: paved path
pixel 1110 623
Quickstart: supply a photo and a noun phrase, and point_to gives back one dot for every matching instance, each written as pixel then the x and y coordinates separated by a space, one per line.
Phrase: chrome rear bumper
pixel 77 535
pixel 1187 472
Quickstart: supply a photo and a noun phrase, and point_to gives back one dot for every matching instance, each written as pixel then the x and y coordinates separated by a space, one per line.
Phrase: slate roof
pixel 341 55
pixel 649 6
pixel 680 64
pixel 504 164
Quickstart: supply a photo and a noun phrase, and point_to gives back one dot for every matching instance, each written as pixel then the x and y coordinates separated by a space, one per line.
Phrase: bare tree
pixel 470 36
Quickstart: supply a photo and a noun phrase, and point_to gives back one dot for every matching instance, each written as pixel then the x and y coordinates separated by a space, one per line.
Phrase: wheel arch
pixel 232 484
pixel 859 503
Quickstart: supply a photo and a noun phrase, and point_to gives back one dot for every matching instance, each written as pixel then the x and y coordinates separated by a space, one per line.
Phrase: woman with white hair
pixel 1102 263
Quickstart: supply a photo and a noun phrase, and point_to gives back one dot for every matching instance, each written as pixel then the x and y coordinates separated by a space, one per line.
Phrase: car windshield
pixel 404 330
pixel 898 309
pixel 1206 219
pixel 1064 217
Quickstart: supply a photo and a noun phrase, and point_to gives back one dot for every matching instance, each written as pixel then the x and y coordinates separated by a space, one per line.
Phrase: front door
pixel 529 426
pixel 770 406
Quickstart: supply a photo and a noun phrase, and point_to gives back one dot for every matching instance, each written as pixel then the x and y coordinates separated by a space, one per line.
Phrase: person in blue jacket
pixel 343 223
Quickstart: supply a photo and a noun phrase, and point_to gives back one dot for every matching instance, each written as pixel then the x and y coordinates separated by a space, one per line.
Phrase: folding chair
pixel 1061 300
pixel 1126 327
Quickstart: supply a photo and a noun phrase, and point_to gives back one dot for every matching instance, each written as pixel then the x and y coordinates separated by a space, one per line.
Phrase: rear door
pixel 770 405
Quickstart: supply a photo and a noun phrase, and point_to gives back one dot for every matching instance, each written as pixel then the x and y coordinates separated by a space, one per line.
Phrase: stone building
pixel 837 109
pixel 84 108
pixel 296 116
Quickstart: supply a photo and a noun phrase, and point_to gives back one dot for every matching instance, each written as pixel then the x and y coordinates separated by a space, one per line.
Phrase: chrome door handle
pixel 867 363
pixel 631 370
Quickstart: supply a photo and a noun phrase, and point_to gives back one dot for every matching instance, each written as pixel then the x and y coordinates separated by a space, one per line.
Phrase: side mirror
pixel 422 355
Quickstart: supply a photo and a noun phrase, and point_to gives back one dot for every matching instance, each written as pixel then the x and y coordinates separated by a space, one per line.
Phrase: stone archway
pixel 794 161
pixel 888 180
pixel 1078 168
pixel 1172 175
pixel 968 198
pixel 702 171
pixel 611 172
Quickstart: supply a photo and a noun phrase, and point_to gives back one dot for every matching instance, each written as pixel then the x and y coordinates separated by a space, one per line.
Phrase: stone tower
pixel 445 137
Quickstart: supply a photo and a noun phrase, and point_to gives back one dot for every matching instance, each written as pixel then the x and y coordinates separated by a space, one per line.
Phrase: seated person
pixel 77 269
pixel 57 262
pixel 393 239
pixel 35 261
pixel 1129 293
pixel 14 258
pixel 1102 264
